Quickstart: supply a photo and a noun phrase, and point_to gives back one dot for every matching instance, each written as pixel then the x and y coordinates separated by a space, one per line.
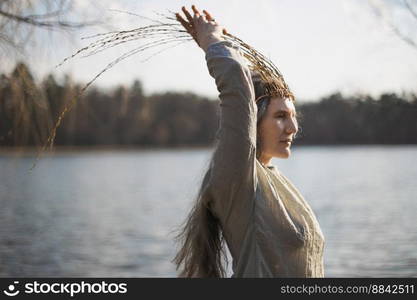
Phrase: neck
pixel 265 159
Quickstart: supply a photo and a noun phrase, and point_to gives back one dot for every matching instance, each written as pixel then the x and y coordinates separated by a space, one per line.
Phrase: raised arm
pixel 232 179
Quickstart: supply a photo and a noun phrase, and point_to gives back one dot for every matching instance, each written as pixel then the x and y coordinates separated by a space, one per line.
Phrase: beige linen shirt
pixel 269 228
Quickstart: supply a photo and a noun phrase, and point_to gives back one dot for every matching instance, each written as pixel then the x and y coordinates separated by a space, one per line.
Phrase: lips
pixel 286 141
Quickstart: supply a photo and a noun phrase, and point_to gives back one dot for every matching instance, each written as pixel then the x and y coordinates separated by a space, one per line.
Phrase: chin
pixel 283 153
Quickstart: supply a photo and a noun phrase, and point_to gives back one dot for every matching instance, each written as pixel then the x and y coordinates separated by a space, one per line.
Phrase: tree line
pixel 126 116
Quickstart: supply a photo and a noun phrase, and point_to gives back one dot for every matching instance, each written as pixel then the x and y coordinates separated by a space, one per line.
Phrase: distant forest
pixel 126 116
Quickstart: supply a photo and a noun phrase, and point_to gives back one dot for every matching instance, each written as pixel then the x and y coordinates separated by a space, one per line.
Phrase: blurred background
pixel 130 155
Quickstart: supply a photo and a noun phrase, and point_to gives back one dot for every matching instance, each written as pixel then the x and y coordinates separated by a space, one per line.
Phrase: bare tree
pixel 385 9
pixel 23 24
pixel 19 20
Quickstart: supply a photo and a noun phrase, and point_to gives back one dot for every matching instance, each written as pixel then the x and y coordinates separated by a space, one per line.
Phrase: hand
pixel 203 28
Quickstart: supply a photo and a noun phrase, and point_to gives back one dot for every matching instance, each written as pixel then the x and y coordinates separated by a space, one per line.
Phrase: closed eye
pixel 284 114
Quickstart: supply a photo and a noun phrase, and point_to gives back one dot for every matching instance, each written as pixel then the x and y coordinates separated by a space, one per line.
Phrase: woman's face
pixel 277 129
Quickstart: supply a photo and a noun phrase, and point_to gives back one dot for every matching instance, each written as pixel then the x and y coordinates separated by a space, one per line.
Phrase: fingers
pixel 190 18
pixel 195 10
pixel 187 14
pixel 183 22
pixel 208 16
pixel 189 26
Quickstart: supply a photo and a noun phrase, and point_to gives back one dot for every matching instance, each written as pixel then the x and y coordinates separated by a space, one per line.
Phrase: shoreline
pixel 120 148
pixel 33 151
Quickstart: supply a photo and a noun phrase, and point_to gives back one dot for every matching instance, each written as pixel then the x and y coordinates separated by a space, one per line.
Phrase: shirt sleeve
pixel 233 163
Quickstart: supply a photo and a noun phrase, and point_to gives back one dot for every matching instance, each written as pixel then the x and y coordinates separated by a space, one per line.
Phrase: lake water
pixel 112 213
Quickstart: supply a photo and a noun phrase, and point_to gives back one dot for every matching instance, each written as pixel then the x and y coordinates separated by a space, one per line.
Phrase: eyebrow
pixel 285 111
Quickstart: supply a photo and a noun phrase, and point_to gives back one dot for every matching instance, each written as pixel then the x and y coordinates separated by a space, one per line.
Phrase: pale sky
pixel 320 46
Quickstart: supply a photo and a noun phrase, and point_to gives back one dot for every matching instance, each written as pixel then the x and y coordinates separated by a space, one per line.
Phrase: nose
pixel 292 126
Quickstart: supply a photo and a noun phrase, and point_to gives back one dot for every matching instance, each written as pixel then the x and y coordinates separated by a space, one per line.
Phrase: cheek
pixel 271 130
pixel 276 127
pixel 280 126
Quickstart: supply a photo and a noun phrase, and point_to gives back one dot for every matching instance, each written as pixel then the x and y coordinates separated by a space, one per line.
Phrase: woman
pixel 269 228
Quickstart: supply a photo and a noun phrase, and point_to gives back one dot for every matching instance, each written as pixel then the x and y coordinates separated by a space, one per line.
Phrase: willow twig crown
pixel 165 31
